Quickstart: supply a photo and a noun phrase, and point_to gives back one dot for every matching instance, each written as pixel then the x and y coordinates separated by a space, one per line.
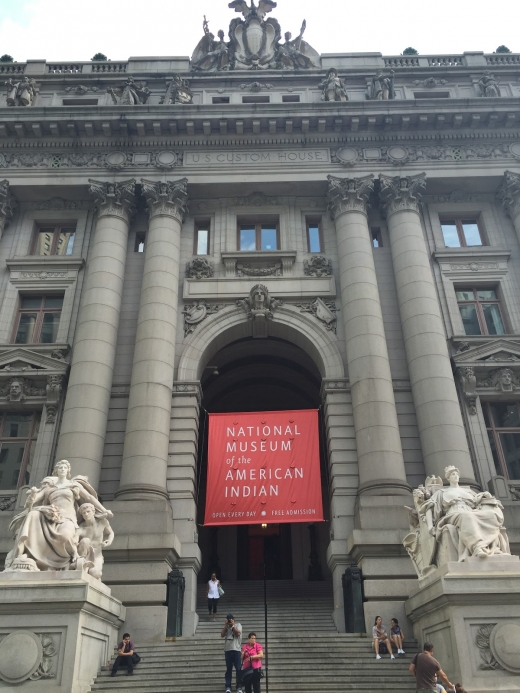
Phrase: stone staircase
pixel 306 654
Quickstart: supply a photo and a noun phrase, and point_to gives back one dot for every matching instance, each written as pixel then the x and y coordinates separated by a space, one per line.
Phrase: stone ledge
pixel 230 288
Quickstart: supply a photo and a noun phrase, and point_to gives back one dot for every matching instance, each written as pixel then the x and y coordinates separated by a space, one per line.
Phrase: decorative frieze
pixel 256 86
pixel 256 199
pixel 502 379
pixel 116 160
pixel 248 269
pixel 199 268
pixel 114 199
pixel 195 313
pixel 167 198
pixel 509 193
pixel 398 194
pixel 349 194
pixel 317 266
pixel 259 307
pixel 324 311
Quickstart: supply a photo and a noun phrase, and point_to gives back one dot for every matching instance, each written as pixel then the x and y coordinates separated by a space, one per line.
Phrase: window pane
pixel 485 411
pixel 493 318
pixel 31 302
pixel 505 414
pixel 202 242
pixel 247 239
pixel 11 457
pixel 17 426
pixel 465 295
pixel 25 333
pixel 451 237
pixel 269 240
pixel 28 467
pixel 314 239
pixel 49 333
pixel 468 314
pixel 511 449
pixel 44 241
pixel 494 452
pixel 487 295
pixel 54 302
pixel 65 241
pixel 471 233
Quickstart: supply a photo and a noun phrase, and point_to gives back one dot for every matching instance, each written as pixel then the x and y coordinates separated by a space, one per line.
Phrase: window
pixel 431 94
pixel 377 240
pixel 258 236
pixel 202 237
pixel 139 242
pixel 256 99
pixel 38 319
pixel 220 99
pixel 291 98
pixel 461 233
pixel 18 433
pixel 314 237
pixel 53 240
pixel 480 311
pixel 503 427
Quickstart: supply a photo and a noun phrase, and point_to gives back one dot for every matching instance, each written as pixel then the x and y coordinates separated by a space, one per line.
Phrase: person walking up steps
pixel 232 632
pixel 213 595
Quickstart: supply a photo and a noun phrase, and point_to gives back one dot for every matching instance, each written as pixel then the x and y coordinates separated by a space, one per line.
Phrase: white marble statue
pixel 453 523
pixel 93 534
pixel 47 532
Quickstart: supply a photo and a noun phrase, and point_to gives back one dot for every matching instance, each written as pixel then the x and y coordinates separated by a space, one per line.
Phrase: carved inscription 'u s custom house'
pixel 258 157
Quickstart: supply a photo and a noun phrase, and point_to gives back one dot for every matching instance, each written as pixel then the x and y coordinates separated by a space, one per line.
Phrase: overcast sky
pixel 72 30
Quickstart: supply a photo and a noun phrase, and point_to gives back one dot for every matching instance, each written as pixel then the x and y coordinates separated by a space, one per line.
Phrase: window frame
pixel 140 237
pixel 202 225
pixel 39 320
pixel 32 437
pixel 376 235
pixel 496 431
pixel 57 228
pixel 444 219
pixel 479 310
pixel 258 234
pixel 314 221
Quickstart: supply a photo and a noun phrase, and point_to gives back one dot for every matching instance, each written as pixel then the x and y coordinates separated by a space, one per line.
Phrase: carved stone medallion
pixel 505 645
pixel 20 656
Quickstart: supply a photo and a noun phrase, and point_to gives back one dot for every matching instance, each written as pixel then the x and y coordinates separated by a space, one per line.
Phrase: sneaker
pixel 113 674
pixel 403 652
pixel 377 657
pixel 228 690
pixel 392 657
pixel 239 690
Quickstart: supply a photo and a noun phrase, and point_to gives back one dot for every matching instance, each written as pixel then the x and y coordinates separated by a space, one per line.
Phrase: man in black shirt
pixel 125 650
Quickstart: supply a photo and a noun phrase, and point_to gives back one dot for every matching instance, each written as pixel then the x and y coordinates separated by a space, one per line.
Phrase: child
pixel 397 636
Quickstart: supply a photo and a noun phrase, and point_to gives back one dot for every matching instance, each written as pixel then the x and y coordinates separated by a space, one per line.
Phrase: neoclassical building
pixel 377 201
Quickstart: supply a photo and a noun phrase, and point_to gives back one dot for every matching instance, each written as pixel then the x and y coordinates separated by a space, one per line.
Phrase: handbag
pixel 135 658
pixel 221 591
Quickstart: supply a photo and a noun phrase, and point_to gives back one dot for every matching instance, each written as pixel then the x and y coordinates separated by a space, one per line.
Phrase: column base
pixel 383 512
pixel 141 492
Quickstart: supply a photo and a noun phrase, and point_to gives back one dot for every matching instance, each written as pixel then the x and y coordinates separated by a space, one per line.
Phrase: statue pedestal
pixel 470 612
pixel 57 629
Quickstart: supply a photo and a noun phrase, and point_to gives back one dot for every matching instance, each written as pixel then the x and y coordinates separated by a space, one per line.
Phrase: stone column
pixel 145 453
pixel 84 421
pixel 7 205
pixel 509 194
pixel 380 457
pixel 443 438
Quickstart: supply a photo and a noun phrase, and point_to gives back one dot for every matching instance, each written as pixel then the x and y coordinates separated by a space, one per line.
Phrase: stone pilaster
pixel 7 205
pixel 380 457
pixel 145 453
pixel 85 414
pixel 443 438
pixel 509 195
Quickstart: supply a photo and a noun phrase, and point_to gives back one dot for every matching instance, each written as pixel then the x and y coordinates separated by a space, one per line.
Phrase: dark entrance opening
pixel 272 544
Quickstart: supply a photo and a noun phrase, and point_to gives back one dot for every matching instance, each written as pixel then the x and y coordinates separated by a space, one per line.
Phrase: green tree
pixel 99 56
pixel 502 49
pixel 410 51
pixel 6 58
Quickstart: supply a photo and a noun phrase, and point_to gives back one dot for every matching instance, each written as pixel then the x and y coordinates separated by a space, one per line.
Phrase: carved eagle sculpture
pixel 264 6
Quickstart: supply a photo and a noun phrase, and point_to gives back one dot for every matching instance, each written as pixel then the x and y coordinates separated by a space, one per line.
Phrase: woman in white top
pixel 213 595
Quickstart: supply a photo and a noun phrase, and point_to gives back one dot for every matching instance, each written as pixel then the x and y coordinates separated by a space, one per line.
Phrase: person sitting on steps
pixel 125 650
pixel 397 636
pixel 380 637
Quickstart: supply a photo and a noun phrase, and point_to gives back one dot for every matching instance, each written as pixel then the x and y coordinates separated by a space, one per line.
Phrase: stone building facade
pixel 377 200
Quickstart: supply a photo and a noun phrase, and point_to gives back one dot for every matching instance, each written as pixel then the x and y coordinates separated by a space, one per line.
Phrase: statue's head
pixel 87 511
pixel 15 389
pixel 60 466
pixel 332 72
pixel 288 36
pixel 450 472
pixel 221 35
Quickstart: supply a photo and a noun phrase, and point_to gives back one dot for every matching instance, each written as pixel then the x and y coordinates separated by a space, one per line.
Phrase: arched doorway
pixel 270 374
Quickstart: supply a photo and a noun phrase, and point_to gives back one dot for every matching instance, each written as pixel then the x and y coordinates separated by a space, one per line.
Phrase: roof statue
pixel 255 44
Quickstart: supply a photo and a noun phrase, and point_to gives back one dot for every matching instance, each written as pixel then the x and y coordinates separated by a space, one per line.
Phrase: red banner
pixel 263 467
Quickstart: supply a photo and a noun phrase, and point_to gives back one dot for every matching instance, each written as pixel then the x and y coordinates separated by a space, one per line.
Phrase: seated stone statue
pixel 46 531
pixel 91 539
pixel 454 523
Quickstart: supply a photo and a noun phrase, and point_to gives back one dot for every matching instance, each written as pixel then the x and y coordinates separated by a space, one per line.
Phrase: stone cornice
pixel 509 193
pixel 349 194
pixel 7 205
pixel 398 194
pixel 167 198
pixel 114 199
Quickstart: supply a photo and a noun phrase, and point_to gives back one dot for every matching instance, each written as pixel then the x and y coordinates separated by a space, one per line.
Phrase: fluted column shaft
pixel 441 430
pixel 509 194
pixel 380 456
pixel 84 422
pixel 145 453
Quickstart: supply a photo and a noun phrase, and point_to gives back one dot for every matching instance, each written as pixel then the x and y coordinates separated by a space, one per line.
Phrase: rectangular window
pixel 461 233
pixel 202 229
pixel 256 99
pixel 53 240
pixel 503 428
pixel 314 236
pixel 18 433
pixel 480 311
pixel 220 99
pixel 258 236
pixel 140 239
pixel 38 319
pixel 291 98
pixel 377 240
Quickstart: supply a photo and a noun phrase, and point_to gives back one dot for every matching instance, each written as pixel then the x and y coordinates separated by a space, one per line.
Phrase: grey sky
pixel 65 30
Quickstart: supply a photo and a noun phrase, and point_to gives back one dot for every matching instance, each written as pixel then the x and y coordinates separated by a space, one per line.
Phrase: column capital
pixel 169 199
pixel 114 199
pixel 349 194
pixel 399 194
pixel 8 205
pixel 509 193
